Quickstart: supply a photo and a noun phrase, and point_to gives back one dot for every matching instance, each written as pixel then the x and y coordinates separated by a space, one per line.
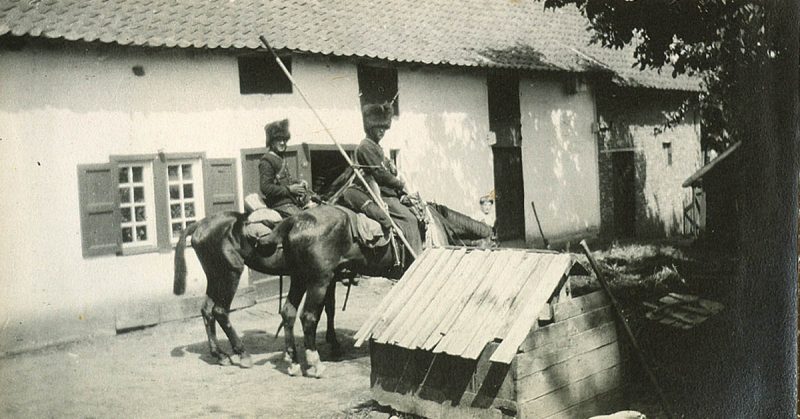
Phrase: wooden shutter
pixel 250 179
pixel 99 202
pixel 220 185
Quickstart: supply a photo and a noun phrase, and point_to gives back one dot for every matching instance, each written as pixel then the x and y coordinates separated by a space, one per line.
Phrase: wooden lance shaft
pixel 628 331
pixel 338 146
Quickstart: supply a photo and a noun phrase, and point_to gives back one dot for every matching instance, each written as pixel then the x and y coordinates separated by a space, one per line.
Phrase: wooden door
pixel 509 196
pixel 624 194
pixel 504 121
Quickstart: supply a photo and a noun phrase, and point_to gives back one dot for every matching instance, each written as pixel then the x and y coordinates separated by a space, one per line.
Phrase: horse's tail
pixel 179 284
pixel 464 226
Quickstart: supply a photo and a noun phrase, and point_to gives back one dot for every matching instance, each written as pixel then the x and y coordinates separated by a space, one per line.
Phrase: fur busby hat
pixel 277 129
pixel 377 116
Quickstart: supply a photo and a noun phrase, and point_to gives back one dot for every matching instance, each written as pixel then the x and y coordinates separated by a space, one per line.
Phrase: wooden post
pixel 628 331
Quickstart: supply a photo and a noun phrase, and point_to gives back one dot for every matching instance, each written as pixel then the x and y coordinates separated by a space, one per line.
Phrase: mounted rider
pixel 279 189
pixel 380 171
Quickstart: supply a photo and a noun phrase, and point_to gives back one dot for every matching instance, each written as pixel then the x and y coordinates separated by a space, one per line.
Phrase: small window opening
pixel 378 85
pixel 668 151
pixel 261 74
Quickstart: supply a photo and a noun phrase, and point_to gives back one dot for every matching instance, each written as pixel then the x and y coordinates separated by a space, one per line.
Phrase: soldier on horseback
pixel 379 170
pixel 280 190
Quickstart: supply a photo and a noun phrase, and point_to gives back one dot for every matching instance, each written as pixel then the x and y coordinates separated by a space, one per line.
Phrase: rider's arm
pixel 371 155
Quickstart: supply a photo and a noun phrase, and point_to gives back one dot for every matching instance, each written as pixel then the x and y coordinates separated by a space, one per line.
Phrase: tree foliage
pixel 704 38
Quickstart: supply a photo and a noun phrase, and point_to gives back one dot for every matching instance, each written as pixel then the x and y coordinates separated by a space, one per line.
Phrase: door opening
pixel 624 193
pixel 504 121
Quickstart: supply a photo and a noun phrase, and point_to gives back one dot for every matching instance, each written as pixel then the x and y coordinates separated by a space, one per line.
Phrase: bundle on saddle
pixel 260 218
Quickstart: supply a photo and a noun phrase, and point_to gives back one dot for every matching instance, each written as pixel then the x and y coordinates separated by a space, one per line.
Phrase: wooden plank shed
pixel 493 333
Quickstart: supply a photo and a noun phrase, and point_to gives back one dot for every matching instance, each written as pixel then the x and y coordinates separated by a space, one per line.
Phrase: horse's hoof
pixel 316 371
pixel 225 361
pixel 287 358
pixel 245 361
pixel 294 370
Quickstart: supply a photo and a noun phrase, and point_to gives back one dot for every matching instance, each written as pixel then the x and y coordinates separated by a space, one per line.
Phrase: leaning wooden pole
pixel 338 146
pixel 631 337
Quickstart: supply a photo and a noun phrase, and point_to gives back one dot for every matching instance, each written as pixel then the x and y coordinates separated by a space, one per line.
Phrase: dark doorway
pixel 624 194
pixel 504 121
pixel 509 197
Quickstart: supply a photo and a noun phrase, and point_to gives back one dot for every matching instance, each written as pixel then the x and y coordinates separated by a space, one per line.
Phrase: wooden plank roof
pixel 696 178
pixel 455 301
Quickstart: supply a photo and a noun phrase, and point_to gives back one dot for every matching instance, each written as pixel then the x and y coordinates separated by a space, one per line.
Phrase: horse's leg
pixel 315 299
pixel 211 331
pixel 330 312
pixel 289 315
pixel 220 312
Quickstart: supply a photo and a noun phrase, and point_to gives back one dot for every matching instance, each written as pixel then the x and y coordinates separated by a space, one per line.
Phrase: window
pixel 668 151
pixel 378 85
pixel 261 74
pixel 185 205
pixel 136 204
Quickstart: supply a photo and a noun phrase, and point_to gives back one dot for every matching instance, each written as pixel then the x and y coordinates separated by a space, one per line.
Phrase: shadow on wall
pixel 457 151
pixel 630 117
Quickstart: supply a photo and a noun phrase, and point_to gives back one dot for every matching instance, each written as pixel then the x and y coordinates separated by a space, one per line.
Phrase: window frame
pixel 163 242
pixel 148 185
pixel 198 188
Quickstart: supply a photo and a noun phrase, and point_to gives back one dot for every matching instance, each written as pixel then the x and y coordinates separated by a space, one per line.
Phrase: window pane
pixel 127 234
pixel 188 190
pixel 124 195
pixel 176 230
pixel 140 214
pixel 172 172
pixel 138 194
pixel 123 175
pixel 175 210
pixel 188 209
pixel 141 233
pixel 187 171
pixel 188 223
pixel 126 214
pixel 137 173
pixel 174 192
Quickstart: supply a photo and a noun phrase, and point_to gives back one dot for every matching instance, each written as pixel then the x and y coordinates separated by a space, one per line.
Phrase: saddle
pixel 365 230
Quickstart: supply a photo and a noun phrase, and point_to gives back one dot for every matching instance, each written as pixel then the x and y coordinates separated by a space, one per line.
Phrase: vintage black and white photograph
pixel 399 209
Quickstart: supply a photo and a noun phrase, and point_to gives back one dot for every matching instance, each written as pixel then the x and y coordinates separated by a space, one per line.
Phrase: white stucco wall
pixel 559 155
pixel 441 132
pixel 63 108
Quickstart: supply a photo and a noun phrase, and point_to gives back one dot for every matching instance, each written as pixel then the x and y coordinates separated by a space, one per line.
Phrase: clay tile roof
pixel 471 33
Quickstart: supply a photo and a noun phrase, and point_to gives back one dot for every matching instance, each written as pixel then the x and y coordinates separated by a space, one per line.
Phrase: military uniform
pixel 376 166
pixel 274 176
pixel 274 181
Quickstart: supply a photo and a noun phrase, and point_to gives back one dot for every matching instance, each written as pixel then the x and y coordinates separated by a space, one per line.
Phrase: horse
pixel 316 248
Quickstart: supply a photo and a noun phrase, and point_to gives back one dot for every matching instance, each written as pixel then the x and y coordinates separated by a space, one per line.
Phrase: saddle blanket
pixel 367 231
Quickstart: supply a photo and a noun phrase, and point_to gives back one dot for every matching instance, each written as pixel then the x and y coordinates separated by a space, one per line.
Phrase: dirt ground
pixel 165 371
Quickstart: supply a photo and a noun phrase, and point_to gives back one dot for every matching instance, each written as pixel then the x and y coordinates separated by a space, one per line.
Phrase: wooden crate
pixel 569 367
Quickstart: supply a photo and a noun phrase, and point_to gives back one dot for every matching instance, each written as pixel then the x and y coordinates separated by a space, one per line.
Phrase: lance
pixel 338 146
